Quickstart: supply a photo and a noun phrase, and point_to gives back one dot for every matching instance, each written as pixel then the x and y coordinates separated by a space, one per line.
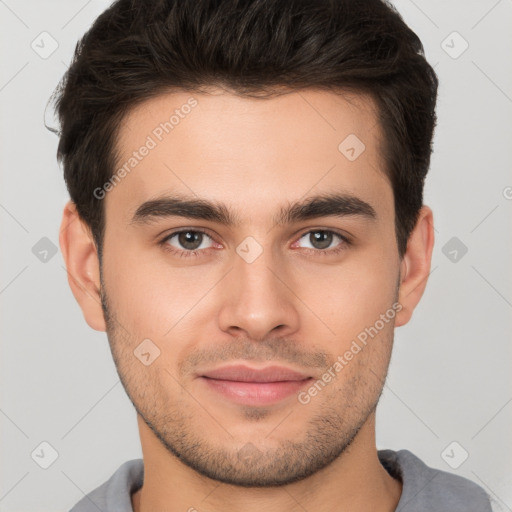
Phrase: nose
pixel 258 300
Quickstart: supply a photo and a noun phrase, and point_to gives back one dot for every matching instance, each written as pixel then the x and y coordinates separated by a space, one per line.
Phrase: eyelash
pixel 194 253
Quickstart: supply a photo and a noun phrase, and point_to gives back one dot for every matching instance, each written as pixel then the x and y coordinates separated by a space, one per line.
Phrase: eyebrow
pixel 325 205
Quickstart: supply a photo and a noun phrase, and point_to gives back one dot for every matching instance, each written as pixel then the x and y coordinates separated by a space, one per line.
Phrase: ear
pixel 82 265
pixel 415 265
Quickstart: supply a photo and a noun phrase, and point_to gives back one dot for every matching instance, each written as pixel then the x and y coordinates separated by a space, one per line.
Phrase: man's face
pixel 265 290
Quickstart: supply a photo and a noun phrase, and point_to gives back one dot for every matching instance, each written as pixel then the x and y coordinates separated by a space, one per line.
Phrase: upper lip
pixel 243 373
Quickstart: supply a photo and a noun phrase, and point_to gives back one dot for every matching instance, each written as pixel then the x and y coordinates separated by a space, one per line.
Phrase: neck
pixel 354 482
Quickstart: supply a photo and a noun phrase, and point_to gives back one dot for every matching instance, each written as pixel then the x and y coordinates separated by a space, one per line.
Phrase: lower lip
pixel 255 393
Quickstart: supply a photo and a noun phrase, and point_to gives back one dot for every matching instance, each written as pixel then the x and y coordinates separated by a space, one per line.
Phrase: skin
pixel 296 304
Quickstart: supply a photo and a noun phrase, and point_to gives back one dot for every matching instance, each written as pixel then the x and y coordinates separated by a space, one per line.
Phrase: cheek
pixel 149 295
pixel 350 296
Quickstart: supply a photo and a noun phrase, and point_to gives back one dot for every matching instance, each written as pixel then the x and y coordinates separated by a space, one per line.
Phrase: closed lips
pixel 242 373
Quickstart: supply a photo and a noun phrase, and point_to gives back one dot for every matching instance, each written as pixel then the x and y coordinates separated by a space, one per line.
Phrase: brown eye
pixel 188 240
pixel 322 239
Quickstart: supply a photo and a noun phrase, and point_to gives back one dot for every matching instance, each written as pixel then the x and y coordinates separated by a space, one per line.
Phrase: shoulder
pixel 429 489
pixel 115 493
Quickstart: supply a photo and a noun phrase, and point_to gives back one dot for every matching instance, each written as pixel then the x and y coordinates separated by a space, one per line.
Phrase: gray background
pixel 450 378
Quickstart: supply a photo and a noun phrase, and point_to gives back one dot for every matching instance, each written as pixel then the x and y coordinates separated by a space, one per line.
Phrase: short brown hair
pixel 138 49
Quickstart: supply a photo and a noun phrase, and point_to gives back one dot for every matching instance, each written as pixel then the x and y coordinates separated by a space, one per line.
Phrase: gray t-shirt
pixel 424 489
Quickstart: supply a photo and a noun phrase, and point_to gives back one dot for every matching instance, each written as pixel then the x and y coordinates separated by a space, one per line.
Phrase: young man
pixel 246 223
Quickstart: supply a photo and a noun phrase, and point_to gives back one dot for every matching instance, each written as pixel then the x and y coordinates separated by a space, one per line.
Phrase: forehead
pixel 250 153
